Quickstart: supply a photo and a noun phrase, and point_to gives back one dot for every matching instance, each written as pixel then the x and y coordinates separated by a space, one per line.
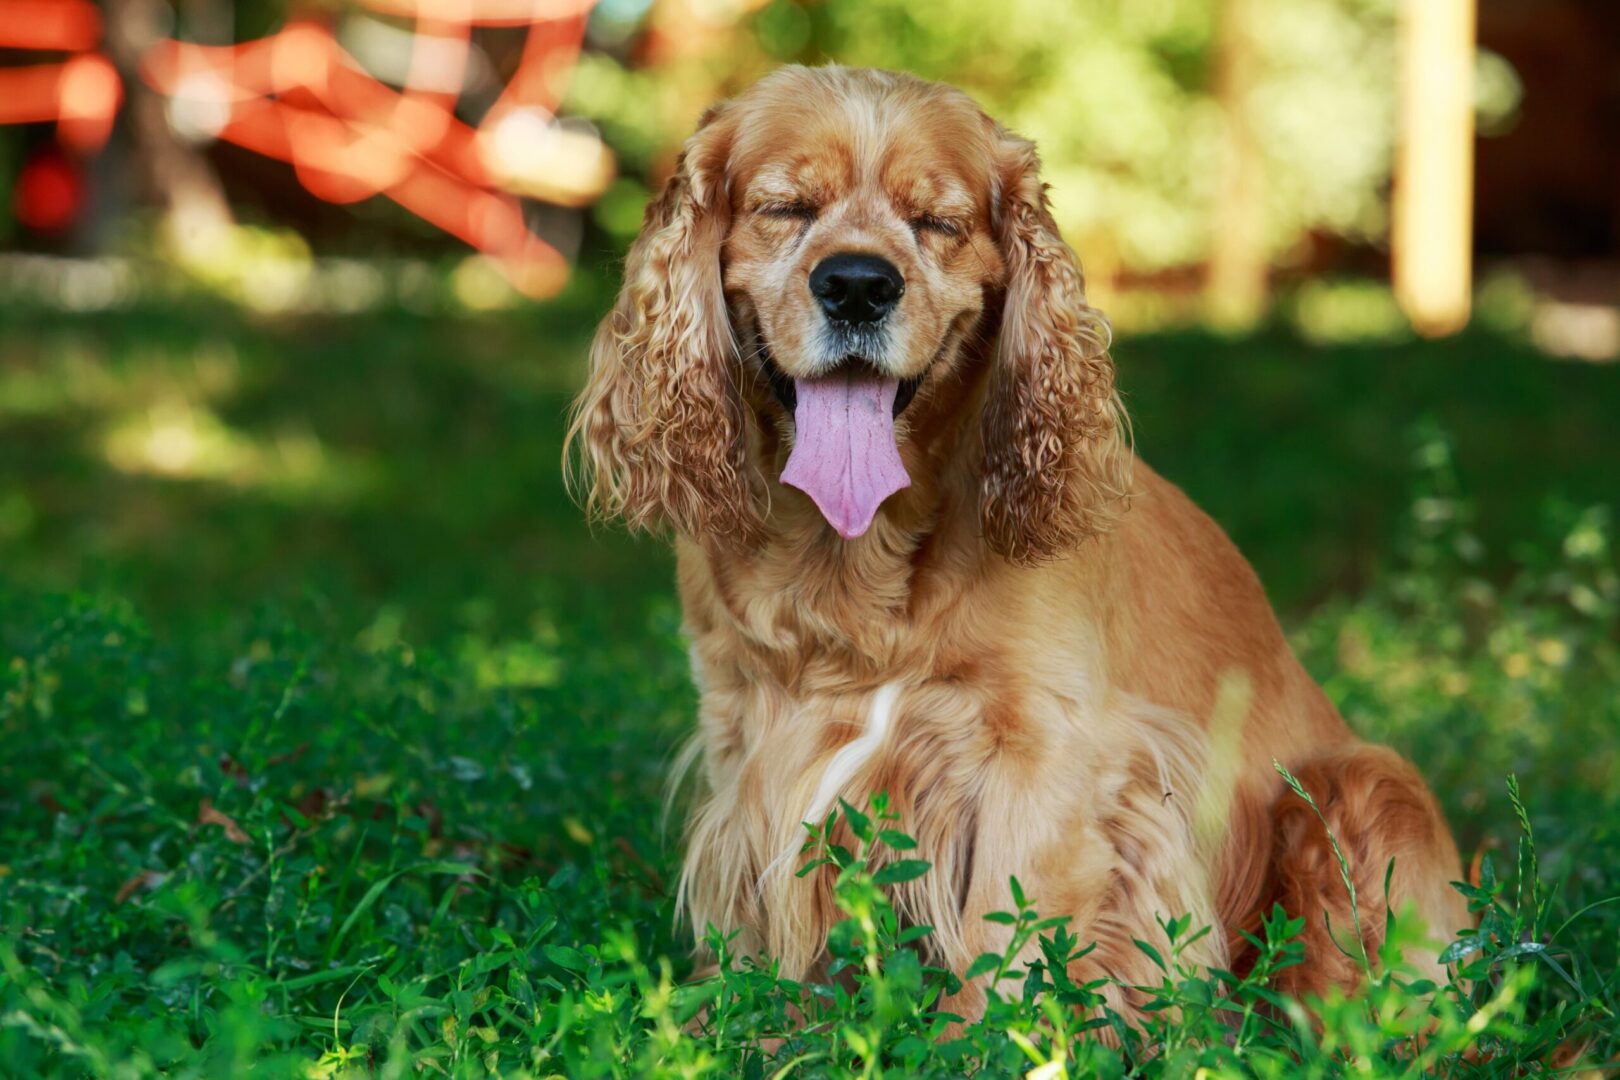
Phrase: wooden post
pixel 1434 166
pixel 1236 287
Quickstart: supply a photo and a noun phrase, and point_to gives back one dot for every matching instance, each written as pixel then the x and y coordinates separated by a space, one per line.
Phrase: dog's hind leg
pixel 1379 809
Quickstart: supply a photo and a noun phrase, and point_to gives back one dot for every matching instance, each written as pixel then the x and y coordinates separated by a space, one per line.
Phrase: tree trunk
pixel 197 218
pixel 1237 266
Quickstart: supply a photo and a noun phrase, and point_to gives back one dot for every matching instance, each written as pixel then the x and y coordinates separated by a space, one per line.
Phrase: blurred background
pixel 1206 156
pixel 275 272
pixel 294 295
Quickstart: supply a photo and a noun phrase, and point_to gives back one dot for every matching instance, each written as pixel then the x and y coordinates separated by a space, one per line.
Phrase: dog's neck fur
pixel 803 592
pixel 833 670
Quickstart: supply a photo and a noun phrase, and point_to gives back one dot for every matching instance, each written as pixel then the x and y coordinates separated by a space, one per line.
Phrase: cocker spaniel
pixel 853 370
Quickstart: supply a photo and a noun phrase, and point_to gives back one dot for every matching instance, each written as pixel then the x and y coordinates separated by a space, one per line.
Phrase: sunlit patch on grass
pixel 70 372
pixel 177 439
pixel 183 440
pixel 516 663
pixel 1342 312
pixel 532 661
pixel 264 272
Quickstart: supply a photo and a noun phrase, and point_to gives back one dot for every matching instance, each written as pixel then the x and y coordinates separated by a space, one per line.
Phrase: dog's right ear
pixel 659 424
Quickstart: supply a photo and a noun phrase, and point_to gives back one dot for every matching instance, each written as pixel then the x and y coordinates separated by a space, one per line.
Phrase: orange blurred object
pixel 299 96
pixel 484 12
pixel 59 25
pixel 88 97
pixel 82 95
pixel 30 95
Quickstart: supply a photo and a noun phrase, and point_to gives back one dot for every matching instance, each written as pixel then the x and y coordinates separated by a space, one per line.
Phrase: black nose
pixel 856 288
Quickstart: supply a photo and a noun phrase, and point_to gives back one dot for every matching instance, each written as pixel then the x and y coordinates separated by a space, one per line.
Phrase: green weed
pixel 365 779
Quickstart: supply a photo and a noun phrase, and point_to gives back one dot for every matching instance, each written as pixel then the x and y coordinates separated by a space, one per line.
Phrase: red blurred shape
pixel 59 25
pixel 483 12
pixel 300 97
pixel 81 94
pixel 297 95
pixel 50 191
pixel 30 95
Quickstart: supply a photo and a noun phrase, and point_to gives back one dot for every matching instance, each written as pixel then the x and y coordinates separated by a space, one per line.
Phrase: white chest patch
pixel 843 767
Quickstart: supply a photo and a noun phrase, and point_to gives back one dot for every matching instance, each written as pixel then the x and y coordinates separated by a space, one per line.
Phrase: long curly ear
pixel 1056 459
pixel 659 423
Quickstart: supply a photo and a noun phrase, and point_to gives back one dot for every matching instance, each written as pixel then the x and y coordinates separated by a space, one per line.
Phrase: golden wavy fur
pixel 1056 665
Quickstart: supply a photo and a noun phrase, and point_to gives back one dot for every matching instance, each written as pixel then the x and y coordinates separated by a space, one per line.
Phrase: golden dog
pixel 853 369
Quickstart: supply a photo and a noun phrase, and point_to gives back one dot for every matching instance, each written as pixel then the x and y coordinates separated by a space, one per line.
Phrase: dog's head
pixel 841 256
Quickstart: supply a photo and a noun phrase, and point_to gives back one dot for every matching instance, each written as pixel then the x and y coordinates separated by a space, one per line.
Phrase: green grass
pixel 333 743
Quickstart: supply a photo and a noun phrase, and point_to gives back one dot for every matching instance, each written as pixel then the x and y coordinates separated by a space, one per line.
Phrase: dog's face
pixel 828 257
pixel 860 234
pixel 857 262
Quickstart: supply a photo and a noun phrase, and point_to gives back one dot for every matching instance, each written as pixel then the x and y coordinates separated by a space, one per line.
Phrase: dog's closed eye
pixel 797 211
pixel 929 223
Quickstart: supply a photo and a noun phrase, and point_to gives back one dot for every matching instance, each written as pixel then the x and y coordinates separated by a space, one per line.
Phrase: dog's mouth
pixel 785 391
pixel 845 455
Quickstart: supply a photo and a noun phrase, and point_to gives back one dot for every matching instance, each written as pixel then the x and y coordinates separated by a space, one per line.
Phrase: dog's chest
pixel 946 748
pixel 999 769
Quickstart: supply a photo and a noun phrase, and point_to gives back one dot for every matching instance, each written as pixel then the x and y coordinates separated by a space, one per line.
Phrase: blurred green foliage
pixel 1119 95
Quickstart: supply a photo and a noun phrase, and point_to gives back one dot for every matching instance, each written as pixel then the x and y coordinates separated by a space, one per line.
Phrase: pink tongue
pixel 844 456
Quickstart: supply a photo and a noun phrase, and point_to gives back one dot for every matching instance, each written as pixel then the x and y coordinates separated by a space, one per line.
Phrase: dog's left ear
pixel 1056 459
